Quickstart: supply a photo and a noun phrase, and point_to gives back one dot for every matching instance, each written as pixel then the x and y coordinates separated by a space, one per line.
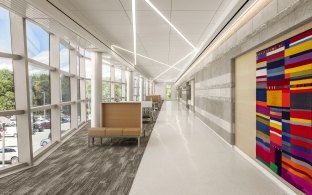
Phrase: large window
pixel 106 78
pixel 136 86
pixel 89 61
pixel 8 129
pixel 37 91
pixel 39 86
pixel 65 119
pixel 37 43
pixel 88 89
pixel 79 113
pixel 118 84
pixel 7 97
pixel 64 58
pixel 88 97
pixel 65 88
pixel 5 32
pixel 78 65
pixel 168 91
pixel 41 129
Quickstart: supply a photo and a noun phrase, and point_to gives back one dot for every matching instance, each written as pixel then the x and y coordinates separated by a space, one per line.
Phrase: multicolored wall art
pixel 284 109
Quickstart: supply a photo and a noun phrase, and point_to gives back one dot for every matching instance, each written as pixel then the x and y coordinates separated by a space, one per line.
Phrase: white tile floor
pixel 184 157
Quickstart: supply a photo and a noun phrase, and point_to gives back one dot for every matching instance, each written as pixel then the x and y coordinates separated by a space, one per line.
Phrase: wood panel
pixel 121 115
pixel 154 98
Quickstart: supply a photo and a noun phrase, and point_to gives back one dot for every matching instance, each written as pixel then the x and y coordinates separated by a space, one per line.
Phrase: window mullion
pixel 22 94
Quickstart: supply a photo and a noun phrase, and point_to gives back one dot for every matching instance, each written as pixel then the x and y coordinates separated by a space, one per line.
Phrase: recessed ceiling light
pixel 163 17
pixel 115 46
pixel 134 31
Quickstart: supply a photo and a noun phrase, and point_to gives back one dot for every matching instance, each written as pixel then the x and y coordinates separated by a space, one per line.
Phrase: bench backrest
pixel 154 98
pixel 122 114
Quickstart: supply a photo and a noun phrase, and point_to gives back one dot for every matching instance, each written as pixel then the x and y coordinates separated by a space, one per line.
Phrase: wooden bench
pixel 156 99
pixel 119 119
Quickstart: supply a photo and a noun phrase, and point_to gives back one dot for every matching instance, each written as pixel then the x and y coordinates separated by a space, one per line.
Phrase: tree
pixel 7 96
pixel 65 88
pixel 106 93
pixel 40 88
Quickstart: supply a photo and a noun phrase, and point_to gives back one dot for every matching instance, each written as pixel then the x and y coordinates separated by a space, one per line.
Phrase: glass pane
pixel 79 112
pixel 88 89
pixel 65 119
pixel 168 92
pixel 5 32
pixel 88 68
pixel 7 96
pixel 118 75
pixel 117 91
pixel 124 90
pixel 106 73
pixel 65 88
pixel 64 58
pixel 8 135
pixel 78 65
pixel 88 54
pixel 40 86
pixel 106 90
pixel 81 51
pixel 37 43
pixel 41 129
pixel 78 90
pixel 88 107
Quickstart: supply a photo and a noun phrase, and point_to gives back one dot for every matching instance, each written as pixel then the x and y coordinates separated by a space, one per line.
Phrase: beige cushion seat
pixel 96 132
pixel 113 131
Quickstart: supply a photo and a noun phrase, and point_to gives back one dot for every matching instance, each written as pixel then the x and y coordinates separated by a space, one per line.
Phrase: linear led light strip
pixel 175 64
pixel 134 31
pixel 250 10
pixel 163 17
pixel 115 46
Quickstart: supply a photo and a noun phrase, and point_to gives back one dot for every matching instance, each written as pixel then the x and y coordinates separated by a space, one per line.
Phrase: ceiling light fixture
pixel 115 46
pixel 163 17
pixel 106 62
pixel 134 31
pixel 178 62
pixel 247 14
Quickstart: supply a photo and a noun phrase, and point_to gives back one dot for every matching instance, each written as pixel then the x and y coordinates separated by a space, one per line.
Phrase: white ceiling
pixel 195 19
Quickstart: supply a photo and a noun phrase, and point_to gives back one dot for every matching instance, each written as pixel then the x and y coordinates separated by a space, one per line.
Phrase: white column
pixel 73 89
pixel 96 96
pixel 146 87
pixel 112 69
pixel 129 77
pixel 22 95
pixel 55 88
pixel 141 89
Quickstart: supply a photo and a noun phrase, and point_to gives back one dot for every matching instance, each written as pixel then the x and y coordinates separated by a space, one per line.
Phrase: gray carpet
pixel 76 169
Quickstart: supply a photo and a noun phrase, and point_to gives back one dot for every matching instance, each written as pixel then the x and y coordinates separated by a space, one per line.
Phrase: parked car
pixel 10 132
pixel 10 154
pixel 41 125
pixel 45 141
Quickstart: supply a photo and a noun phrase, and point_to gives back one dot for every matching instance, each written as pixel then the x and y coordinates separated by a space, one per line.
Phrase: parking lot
pixel 11 141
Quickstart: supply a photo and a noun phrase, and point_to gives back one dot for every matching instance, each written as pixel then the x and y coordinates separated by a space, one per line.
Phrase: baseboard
pixel 266 172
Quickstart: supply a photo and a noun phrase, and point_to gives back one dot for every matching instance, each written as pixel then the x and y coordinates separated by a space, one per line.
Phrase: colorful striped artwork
pixel 284 109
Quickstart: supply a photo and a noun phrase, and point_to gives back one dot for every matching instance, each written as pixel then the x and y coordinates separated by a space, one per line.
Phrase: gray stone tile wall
pixel 214 83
